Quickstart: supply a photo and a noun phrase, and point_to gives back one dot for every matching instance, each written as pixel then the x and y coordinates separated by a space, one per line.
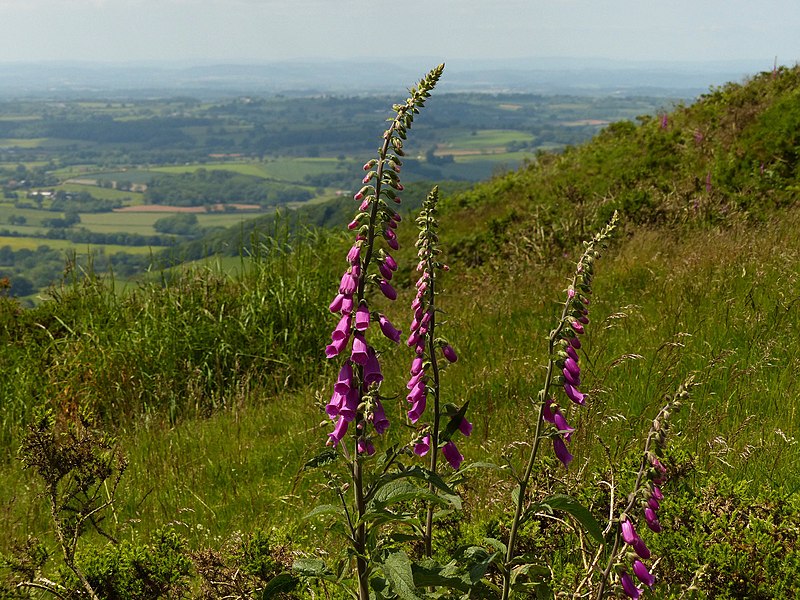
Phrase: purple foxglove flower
pixel 416 365
pixel 417 392
pixel 465 427
pixel 571 293
pixel 628 586
pixel 388 329
pixel 362 317
pixel 573 380
pixel 547 412
pixel 573 394
pixel 657 493
pixel 449 353
pixel 653 503
pixel 334 406
pixel 335 348
pixel 336 303
pixel 641 572
pixel 345 379
pixel 422 447
pixel 416 410
pixel 349 406
pixel 352 224
pixel 641 548
pixel 338 432
pixel 392 242
pixel 575 343
pixel 453 456
pixel 572 354
pixel 347 303
pixel 390 262
pixel 629 535
pixel 348 284
pixel 364 205
pixel 342 330
pixel 386 272
pixel 419 349
pixel 415 379
pixel 396 217
pixel 561 451
pixel 354 254
pixel 379 420
pixel 358 196
pixel 414 324
pixel 583 319
pixel 560 422
pixel 360 349
pixel 572 366
pixel 387 289
pixel 416 304
pixel 652 520
pixel 372 369
pixel 366 447
pixel 577 327
pixel 413 340
pixel 392 224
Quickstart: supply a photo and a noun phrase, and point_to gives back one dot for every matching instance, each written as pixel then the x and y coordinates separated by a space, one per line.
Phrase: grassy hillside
pixel 214 384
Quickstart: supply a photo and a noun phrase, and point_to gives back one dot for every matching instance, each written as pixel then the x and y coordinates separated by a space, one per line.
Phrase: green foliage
pixel 158 569
pixel 730 541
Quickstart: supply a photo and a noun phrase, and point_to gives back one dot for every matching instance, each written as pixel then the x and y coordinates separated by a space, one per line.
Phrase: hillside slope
pixel 214 383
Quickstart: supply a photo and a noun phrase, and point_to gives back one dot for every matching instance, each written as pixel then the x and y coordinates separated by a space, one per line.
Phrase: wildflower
pixel 449 353
pixel 372 369
pixel 422 447
pixel 453 456
pixel 642 574
pixel 378 418
pixel 360 349
pixel 628 586
pixel 388 329
pixel 561 451
pixel 365 446
pixel 387 289
pixel 362 317
pixel 338 433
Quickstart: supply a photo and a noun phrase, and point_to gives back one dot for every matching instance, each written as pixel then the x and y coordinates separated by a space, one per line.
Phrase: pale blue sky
pixel 267 30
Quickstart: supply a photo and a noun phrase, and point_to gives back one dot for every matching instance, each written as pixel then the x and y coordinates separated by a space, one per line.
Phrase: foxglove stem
pixel 582 275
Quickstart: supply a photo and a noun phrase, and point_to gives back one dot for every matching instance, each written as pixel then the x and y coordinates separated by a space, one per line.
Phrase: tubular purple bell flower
pixel 347 303
pixel 386 272
pixel 334 405
pixel 572 379
pixel 453 456
pixel 416 365
pixel 349 406
pixel 577 327
pixel 362 317
pixel 422 447
pixel 366 447
pixel 571 353
pixel 652 520
pixel 574 395
pixel 642 574
pixel 348 284
pixel 417 408
pixel 336 303
pixel 628 586
pixel 360 351
pixel 353 255
pixel 338 432
pixel 629 534
pixel 561 422
pixel 345 380
pixel 575 343
pixel 390 262
pixel 657 493
pixel 372 369
pixel 387 289
pixel 342 330
pixel 465 427
pixel 415 379
pixel 449 353
pixel 641 548
pixel 561 451
pixel 388 329
pixel 379 420
pixel 335 348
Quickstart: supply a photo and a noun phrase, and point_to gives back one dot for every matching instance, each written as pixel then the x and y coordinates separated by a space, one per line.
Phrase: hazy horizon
pixel 246 31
